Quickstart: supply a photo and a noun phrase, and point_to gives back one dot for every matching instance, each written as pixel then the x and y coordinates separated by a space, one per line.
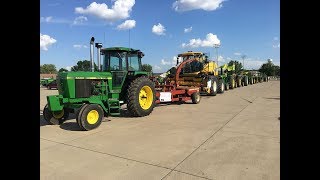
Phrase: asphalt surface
pixel 235 135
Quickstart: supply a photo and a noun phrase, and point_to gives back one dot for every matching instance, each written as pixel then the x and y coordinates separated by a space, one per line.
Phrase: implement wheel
pixel 141 97
pixel 90 116
pixel 55 118
pixel 195 97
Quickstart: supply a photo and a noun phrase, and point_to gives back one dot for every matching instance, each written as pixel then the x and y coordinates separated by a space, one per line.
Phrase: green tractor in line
pixel 94 95
pixel 45 81
pixel 226 73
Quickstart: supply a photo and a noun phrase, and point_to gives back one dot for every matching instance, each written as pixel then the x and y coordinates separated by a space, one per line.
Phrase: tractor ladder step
pixel 114 107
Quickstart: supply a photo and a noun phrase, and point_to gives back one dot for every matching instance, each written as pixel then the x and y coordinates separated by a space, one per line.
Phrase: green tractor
pixel 226 73
pixel 45 81
pixel 94 95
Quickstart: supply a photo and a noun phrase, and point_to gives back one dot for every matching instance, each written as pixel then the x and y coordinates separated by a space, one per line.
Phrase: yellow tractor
pixel 201 73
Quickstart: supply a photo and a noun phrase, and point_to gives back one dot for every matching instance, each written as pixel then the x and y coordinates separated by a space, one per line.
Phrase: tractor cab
pixel 124 64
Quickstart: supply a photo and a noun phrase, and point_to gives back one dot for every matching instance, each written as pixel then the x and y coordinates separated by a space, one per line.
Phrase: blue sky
pixel 161 29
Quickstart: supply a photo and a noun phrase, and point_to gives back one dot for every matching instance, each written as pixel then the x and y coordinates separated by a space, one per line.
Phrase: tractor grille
pixel 84 88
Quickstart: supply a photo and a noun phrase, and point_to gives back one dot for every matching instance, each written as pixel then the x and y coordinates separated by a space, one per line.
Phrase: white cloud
pixel 276 46
pixel 79 46
pixel 158 29
pixel 68 68
pixel 50 19
pixel 186 30
pixel 275 38
pixel 120 10
pixel 187 5
pixel 164 62
pixel 46 41
pixel 210 41
pixel 253 64
pixel 46 19
pixel 128 24
pixel 237 54
pixel 221 59
pixel 80 20
pixel 155 67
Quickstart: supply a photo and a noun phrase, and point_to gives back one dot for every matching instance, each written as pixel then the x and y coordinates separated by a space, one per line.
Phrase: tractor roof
pixel 120 49
pixel 190 53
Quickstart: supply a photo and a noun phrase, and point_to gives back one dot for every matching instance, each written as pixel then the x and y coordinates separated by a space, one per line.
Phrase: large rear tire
pixel 221 86
pixel 195 97
pixel 141 97
pixel 238 81
pixel 55 118
pixel 214 85
pixel 226 86
pixel 246 82
pixel 232 82
pixel 91 116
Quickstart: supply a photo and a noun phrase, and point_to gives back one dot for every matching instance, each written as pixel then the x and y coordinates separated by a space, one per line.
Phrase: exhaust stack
pixel 98 46
pixel 91 54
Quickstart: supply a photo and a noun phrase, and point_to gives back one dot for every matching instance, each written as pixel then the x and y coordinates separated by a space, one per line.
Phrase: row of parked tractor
pixel 120 80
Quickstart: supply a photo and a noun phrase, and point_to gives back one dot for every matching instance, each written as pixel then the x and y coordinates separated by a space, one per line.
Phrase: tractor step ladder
pixel 114 107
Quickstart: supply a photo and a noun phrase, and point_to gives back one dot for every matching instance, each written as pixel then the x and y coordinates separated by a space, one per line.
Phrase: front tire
pixel 90 116
pixel 141 97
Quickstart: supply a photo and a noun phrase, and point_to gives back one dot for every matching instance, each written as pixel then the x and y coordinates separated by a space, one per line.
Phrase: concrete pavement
pixel 235 135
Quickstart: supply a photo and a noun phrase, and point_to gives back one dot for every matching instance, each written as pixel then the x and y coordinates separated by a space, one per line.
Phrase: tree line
pixel 267 68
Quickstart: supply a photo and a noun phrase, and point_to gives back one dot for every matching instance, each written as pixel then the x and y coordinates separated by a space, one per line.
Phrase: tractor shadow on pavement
pixel 73 125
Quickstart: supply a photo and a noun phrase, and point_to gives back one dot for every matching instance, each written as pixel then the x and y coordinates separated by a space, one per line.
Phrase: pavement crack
pixel 251 134
pixel 207 139
pixel 121 157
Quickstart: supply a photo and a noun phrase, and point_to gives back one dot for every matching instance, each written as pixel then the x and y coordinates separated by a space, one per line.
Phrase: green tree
pixel 238 66
pixel 270 69
pixel 48 69
pixel 63 70
pixel 83 66
pixel 147 67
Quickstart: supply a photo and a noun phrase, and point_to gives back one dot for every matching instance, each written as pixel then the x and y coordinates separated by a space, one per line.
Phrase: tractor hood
pixel 84 75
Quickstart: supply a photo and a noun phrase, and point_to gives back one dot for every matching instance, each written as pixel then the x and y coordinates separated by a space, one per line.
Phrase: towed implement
pixel 198 72
pixel 171 89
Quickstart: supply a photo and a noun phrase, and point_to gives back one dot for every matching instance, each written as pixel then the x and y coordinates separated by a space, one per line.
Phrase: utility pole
pixel 216 46
pixel 243 57
pixel 129 38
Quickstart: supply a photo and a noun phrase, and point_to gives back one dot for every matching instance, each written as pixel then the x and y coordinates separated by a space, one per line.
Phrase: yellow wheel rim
pixel 92 117
pixel 58 114
pixel 145 97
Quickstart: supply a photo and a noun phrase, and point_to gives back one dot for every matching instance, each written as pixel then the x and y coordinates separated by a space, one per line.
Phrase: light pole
pixel 243 57
pixel 216 46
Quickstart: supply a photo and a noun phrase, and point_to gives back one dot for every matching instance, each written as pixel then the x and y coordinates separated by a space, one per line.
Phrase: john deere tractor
pixel 201 73
pixel 226 73
pixel 94 95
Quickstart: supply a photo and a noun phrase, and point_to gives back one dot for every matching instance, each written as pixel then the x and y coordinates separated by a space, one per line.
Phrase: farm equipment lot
pixel 234 135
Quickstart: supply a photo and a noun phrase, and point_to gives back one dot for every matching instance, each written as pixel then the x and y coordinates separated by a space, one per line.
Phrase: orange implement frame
pixel 178 93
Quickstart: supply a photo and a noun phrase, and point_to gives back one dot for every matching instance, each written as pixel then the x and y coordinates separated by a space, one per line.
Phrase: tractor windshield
pixel 115 61
pixel 133 62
